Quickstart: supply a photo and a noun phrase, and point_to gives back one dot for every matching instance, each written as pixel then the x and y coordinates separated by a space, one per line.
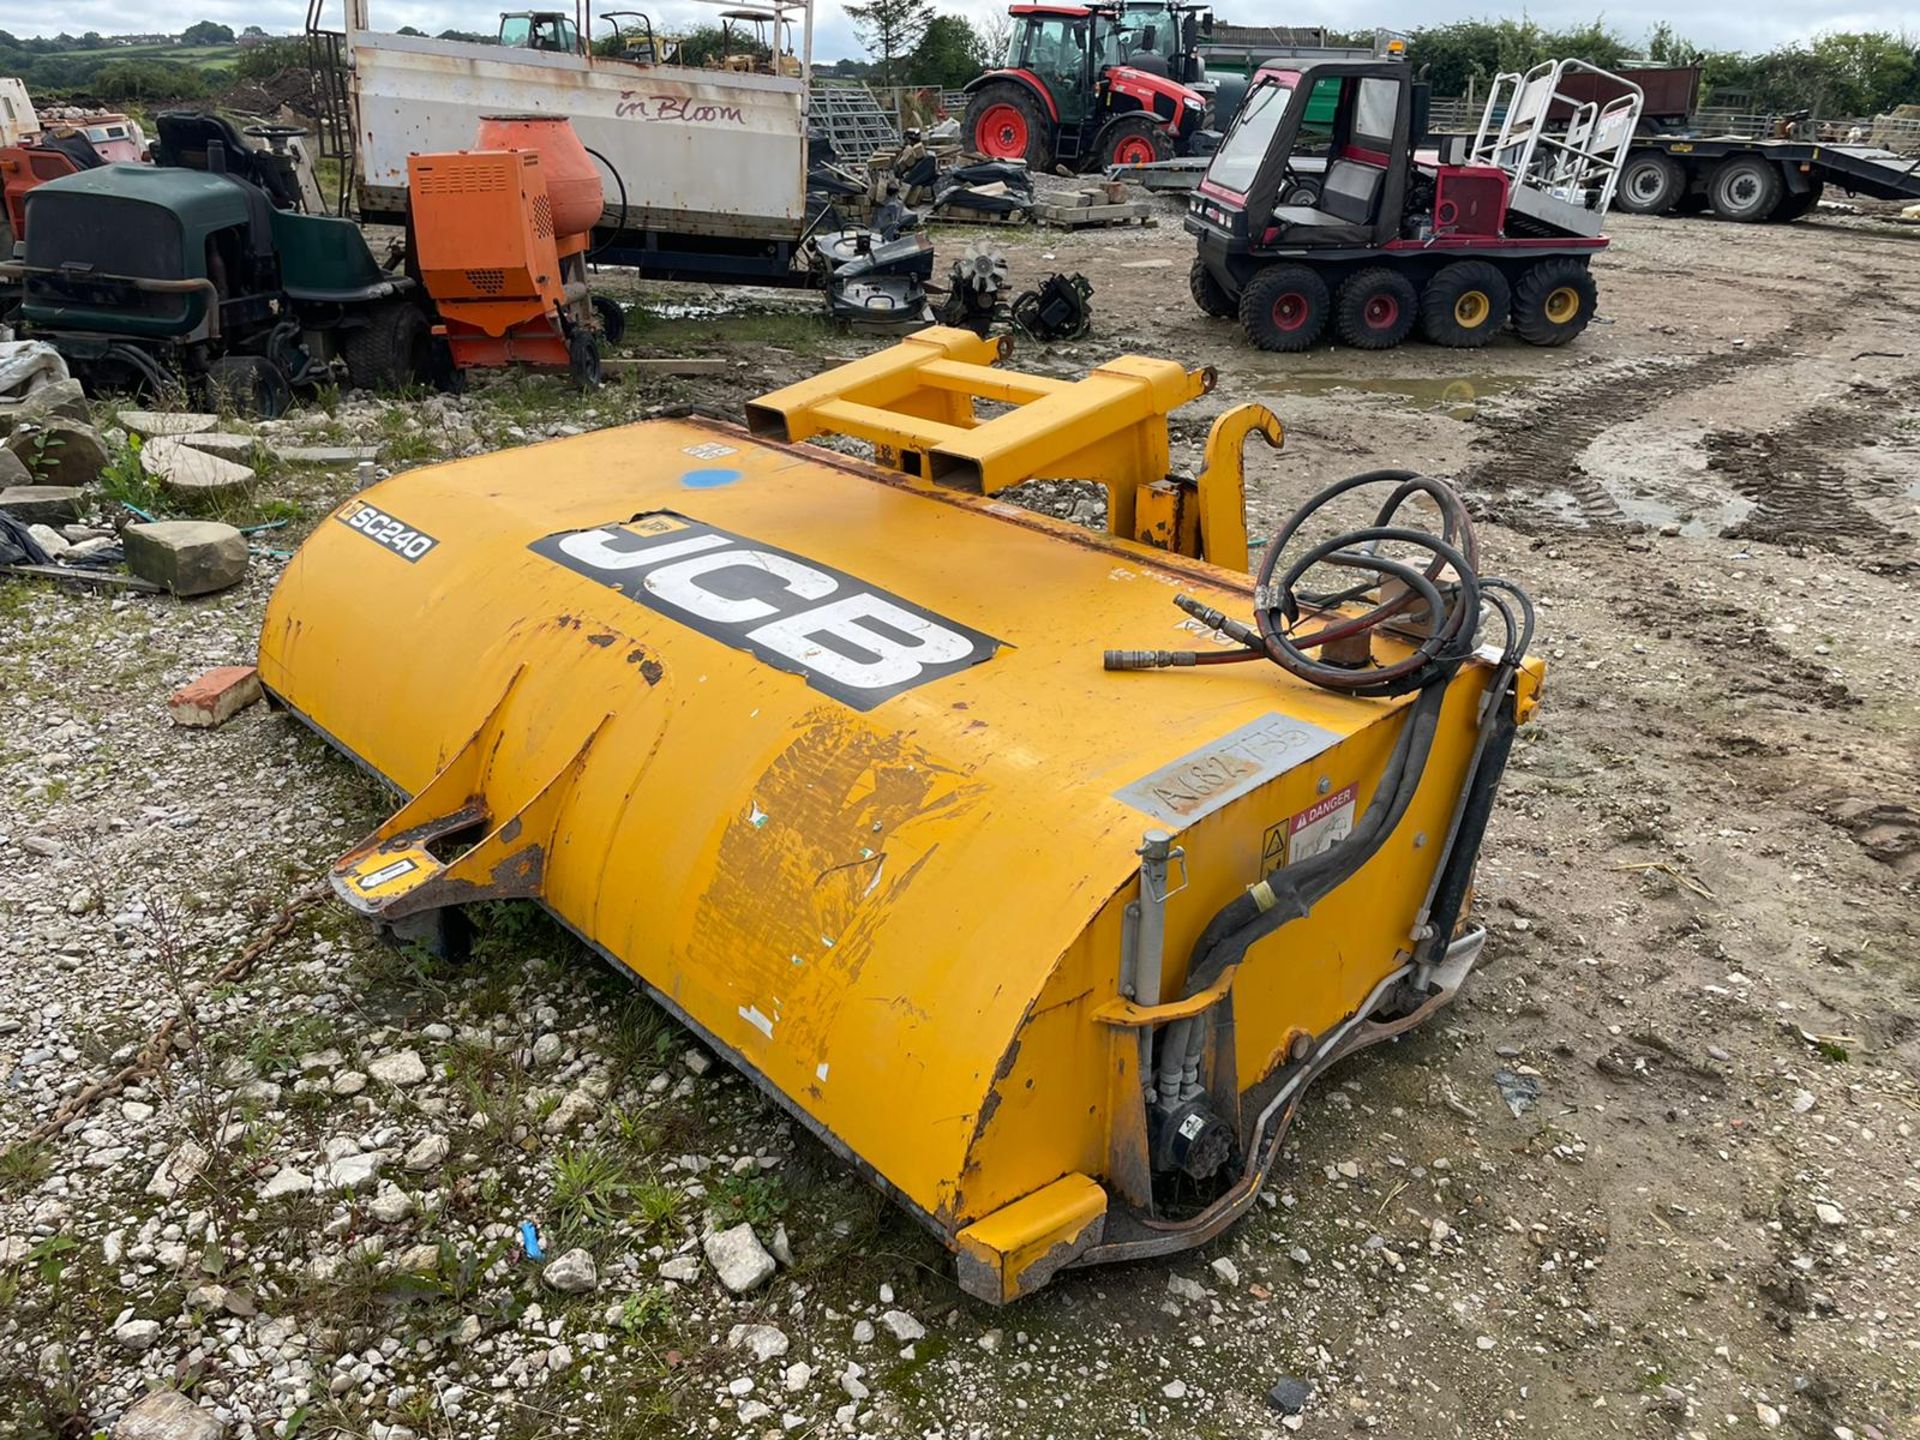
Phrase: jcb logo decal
pixel 850 640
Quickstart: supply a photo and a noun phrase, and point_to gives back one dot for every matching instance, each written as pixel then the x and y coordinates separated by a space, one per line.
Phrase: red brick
pixel 216 697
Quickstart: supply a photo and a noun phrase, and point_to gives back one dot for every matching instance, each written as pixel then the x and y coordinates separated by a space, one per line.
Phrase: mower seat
pixel 185 136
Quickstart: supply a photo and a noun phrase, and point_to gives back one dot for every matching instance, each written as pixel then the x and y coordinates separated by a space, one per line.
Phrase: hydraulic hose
pixel 1437 606
pixel 594 253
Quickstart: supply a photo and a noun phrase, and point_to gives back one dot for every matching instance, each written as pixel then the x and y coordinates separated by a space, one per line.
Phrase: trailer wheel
pixel 1134 140
pixel 1466 305
pixel 1553 302
pixel 1004 123
pixel 1651 184
pixel 1208 293
pixel 1792 206
pixel 613 318
pixel 1376 309
pixel 1745 188
pixel 583 359
pixel 392 350
pixel 1284 308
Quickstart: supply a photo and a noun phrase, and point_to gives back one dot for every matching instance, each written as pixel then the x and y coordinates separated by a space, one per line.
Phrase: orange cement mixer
pixel 501 233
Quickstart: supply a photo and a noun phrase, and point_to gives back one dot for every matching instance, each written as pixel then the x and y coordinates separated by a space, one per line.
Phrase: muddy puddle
pixel 1458 397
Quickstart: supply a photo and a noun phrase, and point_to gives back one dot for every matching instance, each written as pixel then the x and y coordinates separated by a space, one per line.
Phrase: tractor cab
pixel 1070 89
pixel 1318 156
pixel 539 30
pixel 1159 37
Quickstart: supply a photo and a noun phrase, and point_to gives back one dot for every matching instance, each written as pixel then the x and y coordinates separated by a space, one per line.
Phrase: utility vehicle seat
pixel 1349 200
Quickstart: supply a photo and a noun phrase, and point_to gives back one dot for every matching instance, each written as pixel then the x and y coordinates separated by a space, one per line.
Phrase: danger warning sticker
pixel 1318 828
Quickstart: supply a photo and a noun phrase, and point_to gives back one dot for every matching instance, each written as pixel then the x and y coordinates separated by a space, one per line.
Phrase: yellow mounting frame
pixel 916 403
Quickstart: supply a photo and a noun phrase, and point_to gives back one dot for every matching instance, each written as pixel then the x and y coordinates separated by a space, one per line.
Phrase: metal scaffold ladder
pixel 853 120
pixel 327 54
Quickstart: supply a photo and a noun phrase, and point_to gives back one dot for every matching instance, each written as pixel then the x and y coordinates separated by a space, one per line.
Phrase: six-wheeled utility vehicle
pixel 1304 225
pixel 201 271
pixel 1093 85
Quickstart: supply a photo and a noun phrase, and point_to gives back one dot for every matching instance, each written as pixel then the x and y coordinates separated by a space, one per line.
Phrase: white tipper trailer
pixel 705 169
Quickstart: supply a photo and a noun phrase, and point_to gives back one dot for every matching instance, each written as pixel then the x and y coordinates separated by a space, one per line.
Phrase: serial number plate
pixel 386 530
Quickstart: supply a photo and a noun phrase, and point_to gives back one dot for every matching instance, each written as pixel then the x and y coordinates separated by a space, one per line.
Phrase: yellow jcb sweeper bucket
pixel 825 755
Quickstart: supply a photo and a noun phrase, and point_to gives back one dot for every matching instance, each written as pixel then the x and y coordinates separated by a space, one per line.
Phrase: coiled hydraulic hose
pixel 1438 605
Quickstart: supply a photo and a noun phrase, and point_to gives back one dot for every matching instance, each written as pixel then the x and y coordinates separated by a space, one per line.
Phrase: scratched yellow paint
pixel 899 917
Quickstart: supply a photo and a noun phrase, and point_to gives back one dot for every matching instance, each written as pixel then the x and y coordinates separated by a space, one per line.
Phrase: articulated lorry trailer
pixel 1675 169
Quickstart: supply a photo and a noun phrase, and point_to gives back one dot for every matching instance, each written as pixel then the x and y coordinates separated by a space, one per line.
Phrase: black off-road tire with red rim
pixel 1285 307
pixel 1208 293
pixel 1465 305
pixel 1376 309
pixel 1005 122
pixel 1134 140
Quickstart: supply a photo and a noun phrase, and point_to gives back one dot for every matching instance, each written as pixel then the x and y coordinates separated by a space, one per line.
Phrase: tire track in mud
pixel 1538 454
pixel 1798 474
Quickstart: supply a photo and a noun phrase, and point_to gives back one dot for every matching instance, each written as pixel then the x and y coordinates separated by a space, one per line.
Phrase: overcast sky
pixel 1715 24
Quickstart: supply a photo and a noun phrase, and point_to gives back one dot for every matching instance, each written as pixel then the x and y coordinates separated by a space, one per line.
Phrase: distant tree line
pixel 1836 74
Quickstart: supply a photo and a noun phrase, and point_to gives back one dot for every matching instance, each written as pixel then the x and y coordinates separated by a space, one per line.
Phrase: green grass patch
pixel 24 1165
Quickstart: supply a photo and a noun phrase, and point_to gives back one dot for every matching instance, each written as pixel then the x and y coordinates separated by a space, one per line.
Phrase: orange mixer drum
pixel 573 180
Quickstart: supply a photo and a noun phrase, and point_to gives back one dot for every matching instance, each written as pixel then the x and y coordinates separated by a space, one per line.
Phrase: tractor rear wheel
pixel 1466 305
pixel 1004 122
pixel 1134 140
pixel 1651 184
pixel 1553 302
pixel 392 350
pixel 1375 309
pixel 1208 293
pixel 1745 188
pixel 1284 308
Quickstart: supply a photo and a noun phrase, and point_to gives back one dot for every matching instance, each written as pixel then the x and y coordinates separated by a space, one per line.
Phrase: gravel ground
pixel 1701 888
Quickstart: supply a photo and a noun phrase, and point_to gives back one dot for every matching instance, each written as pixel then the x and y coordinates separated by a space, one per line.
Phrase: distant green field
pixel 201 57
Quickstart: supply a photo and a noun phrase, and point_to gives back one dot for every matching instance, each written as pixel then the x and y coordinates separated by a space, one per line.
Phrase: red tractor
pixel 1093 85
pixel 1323 208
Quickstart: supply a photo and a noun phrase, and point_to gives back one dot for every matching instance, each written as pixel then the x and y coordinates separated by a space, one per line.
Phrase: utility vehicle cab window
pixel 1245 145
pixel 1316 124
pixel 1374 111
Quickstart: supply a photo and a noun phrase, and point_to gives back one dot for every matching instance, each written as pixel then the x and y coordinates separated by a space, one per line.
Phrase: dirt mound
pixel 290 90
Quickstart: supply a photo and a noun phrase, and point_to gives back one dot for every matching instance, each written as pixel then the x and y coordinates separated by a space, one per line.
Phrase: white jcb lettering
pixel 679 584
pixel 894 662
pixel 596 548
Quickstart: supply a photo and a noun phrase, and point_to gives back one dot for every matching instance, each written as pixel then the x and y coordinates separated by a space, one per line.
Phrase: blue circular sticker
pixel 708 479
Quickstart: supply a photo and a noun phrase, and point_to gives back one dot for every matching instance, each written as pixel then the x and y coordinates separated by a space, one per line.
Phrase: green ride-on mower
pixel 200 272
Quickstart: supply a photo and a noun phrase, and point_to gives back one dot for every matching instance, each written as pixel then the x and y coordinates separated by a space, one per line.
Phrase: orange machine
pixel 501 234
pixel 23 167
